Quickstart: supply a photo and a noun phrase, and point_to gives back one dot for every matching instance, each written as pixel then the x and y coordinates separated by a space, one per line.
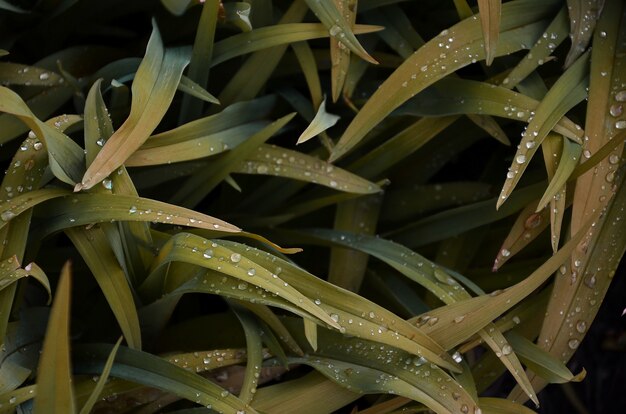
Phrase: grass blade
pixel 490 21
pixel 338 27
pixel 153 89
pixel 521 21
pixel 54 382
pixel 95 250
pixel 102 380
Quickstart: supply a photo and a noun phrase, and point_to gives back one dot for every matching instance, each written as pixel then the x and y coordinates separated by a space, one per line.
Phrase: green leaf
pixel 102 380
pixel 143 368
pixel 282 162
pixel 337 26
pixel 583 15
pixel 541 362
pixel 490 21
pixel 569 160
pixel 153 89
pixel 54 383
pixel 568 91
pixel 83 209
pixel 266 37
pixel 18 74
pixel 254 346
pixel 322 121
pixel 199 185
pixel 520 22
pixel 65 156
pixel 93 246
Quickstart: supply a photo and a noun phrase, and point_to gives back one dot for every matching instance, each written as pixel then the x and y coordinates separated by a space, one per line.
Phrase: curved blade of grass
pixel 65 156
pixel 481 310
pixel 552 147
pixel 18 74
pixel 21 203
pixel 188 248
pixel 310 332
pixel 425 199
pixel 366 380
pixel 42 105
pixel 267 37
pixel 338 27
pixel 347 267
pixel 378 323
pixel 199 65
pixel 589 272
pixel 143 368
pixel 455 96
pixel 134 238
pixel 540 52
pixel 13 273
pixel 322 121
pixel 54 382
pixel 339 54
pixel 93 246
pixel 424 379
pixel 102 380
pixel 257 69
pixel 26 170
pixel 520 22
pixel 271 320
pixel 568 91
pixel 569 161
pixel 206 136
pixel 312 393
pixel 502 406
pixel 153 89
pixel 309 68
pixel 191 88
pixel 541 362
pixel 457 220
pixel 435 279
pixel 252 330
pixel 162 153
pixel 583 15
pixel 490 22
pixel 199 185
pixel 238 14
pixel 282 162
pixel 528 225
pixel 83 209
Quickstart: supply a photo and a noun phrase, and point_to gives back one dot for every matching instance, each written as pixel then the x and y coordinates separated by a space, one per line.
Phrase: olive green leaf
pixel 54 383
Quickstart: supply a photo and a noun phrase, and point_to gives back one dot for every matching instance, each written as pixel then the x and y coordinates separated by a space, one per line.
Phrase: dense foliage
pixel 303 206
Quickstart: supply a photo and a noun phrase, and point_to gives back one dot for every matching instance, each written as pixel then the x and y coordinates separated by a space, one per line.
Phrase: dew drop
pixel 7 215
pixel 107 183
pixel 132 210
pixel 520 159
pixel 208 253
pixel 251 271
pixel 235 257
pixel 505 253
pixel 506 349
pixel 457 357
pixel 616 110
pixel 620 125
pixel 581 326
pixel 573 343
pixel 620 96
pixel 44 76
pixel 614 159
pixel 530 144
